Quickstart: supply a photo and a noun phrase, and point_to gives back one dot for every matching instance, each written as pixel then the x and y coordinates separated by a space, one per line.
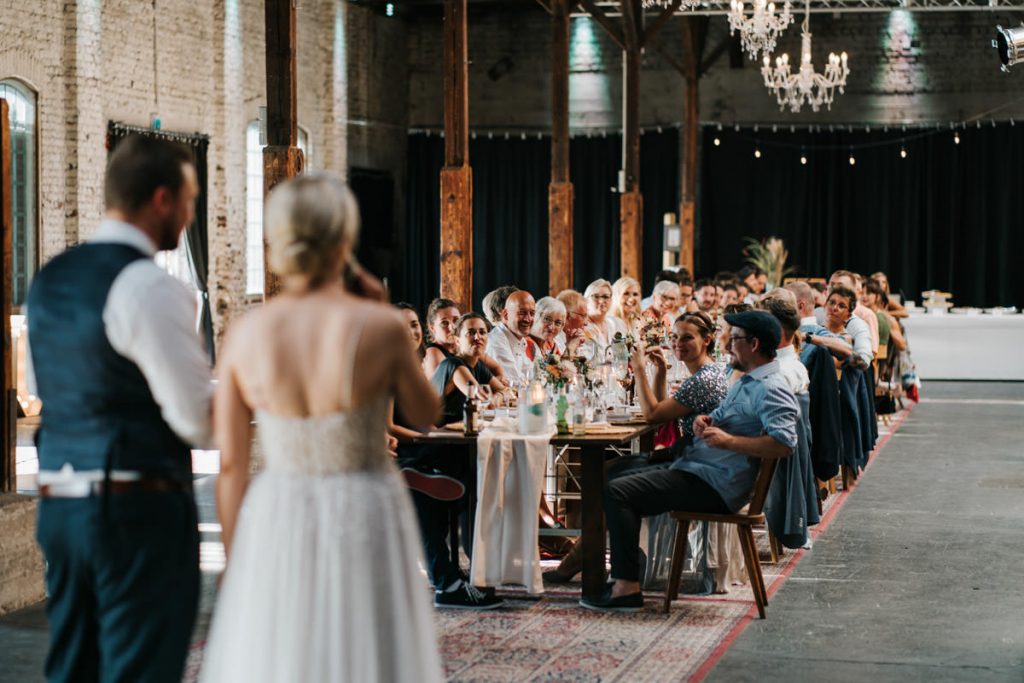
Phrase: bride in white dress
pixel 322 582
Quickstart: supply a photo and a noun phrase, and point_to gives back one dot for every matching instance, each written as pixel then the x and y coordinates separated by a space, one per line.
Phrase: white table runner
pixel 510 480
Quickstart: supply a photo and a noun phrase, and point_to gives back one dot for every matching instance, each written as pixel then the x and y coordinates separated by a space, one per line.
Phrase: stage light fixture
pixel 1009 43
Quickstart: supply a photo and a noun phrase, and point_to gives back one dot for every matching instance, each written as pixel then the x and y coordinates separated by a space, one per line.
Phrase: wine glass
pixel 485 394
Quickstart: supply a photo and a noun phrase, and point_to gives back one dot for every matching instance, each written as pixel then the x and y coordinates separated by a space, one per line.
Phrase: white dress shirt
pixel 150 319
pixel 792 370
pixel 509 351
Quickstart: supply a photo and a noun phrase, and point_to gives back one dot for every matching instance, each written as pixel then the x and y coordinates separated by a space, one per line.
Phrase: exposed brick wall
pixel 92 61
pixel 21 563
pixel 905 67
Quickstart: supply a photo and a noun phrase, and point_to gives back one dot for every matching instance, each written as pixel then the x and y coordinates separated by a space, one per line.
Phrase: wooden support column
pixel 631 202
pixel 694 37
pixel 282 158
pixel 457 175
pixel 9 417
pixel 560 191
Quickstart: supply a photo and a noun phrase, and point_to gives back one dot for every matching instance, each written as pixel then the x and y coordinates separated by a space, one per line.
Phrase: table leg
pixel 471 501
pixel 592 503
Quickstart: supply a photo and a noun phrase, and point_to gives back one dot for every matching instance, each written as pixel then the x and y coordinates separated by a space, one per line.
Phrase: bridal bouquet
pixel 652 332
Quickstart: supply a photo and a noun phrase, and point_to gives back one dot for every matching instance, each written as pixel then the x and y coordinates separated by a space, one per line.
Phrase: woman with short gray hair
pixel 548 323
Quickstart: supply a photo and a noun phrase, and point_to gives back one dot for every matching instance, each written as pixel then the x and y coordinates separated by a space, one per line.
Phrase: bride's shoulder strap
pixel 356 335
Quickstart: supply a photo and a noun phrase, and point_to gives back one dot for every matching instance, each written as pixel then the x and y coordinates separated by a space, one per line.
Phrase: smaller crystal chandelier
pixel 759 31
pixel 805 86
pixel 686 4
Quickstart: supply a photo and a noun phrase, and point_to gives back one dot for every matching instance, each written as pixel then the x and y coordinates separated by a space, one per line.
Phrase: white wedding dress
pixel 323 583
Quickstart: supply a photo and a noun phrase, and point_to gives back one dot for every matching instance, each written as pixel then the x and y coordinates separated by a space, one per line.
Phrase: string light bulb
pixel 853 161
pixel 956 138
pixel 717 142
pixel 903 152
pixel 803 157
pixel 757 153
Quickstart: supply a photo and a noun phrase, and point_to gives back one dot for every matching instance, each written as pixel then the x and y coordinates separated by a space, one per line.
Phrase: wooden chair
pixel 744 521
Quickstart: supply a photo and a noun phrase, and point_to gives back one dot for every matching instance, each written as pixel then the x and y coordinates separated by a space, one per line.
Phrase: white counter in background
pixel 967 347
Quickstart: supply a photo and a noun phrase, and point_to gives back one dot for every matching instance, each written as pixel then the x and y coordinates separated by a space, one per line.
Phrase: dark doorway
pixel 375 192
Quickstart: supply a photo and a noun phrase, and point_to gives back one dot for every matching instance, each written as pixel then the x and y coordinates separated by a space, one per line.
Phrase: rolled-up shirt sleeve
pixel 150 319
pixel 779 413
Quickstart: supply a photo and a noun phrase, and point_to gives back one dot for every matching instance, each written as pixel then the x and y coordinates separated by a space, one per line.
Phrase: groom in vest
pixel 126 389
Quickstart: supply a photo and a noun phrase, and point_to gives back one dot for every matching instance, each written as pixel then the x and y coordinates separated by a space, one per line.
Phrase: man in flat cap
pixel 757 419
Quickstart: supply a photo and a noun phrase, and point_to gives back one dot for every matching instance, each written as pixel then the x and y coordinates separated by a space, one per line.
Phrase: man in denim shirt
pixel 757 419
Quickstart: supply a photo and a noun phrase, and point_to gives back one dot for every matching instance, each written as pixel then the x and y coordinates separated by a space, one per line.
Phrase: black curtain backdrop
pixel 945 217
pixel 197 243
pixel 510 210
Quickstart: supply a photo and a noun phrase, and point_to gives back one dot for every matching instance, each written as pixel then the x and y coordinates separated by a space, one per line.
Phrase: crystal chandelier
pixel 805 86
pixel 759 31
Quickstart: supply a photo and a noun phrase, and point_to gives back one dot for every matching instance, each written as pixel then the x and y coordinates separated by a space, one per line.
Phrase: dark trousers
pixel 435 515
pixel 630 498
pixel 122 574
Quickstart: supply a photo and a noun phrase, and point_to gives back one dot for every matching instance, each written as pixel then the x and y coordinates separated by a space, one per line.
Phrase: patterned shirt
pixel 702 392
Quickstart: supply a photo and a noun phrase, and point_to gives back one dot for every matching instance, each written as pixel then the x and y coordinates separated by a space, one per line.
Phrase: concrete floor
pixel 919 577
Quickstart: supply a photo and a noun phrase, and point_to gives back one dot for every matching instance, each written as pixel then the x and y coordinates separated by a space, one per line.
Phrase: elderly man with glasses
pixel 757 419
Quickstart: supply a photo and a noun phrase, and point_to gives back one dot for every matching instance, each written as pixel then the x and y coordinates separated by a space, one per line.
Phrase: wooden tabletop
pixel 450 437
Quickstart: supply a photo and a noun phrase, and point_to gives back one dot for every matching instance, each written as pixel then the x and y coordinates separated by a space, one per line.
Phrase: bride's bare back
pixel 300 355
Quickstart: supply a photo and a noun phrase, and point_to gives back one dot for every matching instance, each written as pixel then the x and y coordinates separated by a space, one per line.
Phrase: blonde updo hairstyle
pixel 311 223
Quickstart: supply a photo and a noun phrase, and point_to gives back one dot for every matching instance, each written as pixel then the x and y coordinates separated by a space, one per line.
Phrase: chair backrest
pixel 764 480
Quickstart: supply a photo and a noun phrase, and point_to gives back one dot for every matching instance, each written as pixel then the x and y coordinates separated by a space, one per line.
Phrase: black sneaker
pixel 467 597
pixel 606 603
pixel 486 590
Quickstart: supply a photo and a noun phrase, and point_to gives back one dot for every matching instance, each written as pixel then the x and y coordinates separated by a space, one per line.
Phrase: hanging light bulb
pixel 803 159
pixel 852 160
pixel 956 138
pixel 903 152
pixel 717 142
pixel 757 153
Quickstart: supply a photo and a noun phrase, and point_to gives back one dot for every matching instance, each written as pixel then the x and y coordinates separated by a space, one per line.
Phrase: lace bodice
pixel 347 441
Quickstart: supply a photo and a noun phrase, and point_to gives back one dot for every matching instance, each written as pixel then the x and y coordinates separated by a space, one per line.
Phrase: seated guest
pixel 574 332
pixel 494 302
pixel 812 332
pixel 686 302
pixel 894 307
pixel 602 326
pixel 852 281
pixel 693 342
pixel 665 276
pixel 442 314
pixel 839 320
pixel 706 295
pixel 509 341
pixel 664 303
pixel 877 301
pixel 730 295
pixel 415 328
pixel 547 325
pixel 781 303
pixel 465 367
pixel 626 303
pixel 757 419
pixel 438 476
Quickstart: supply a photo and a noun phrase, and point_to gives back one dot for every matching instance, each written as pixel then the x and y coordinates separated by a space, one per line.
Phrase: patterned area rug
pixel 554 639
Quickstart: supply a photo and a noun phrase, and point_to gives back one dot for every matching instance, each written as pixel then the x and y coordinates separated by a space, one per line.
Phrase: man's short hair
pixel 138 166
pixel 851 276
pixel 571 298
pixel 703 282
pixel 494 302
pixel 666 276
pixel 782 304
pixel 846 293
pixel 802 291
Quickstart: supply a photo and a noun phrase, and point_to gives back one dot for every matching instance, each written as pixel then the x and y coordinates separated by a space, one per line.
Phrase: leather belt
pixel 97 488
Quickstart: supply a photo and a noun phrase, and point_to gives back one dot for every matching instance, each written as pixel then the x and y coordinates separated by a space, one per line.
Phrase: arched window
pixel 254 204
pixel 24 204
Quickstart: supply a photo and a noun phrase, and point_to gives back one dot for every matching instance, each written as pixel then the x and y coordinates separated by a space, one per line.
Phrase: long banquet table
pixel 592 459
pixel 967 347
